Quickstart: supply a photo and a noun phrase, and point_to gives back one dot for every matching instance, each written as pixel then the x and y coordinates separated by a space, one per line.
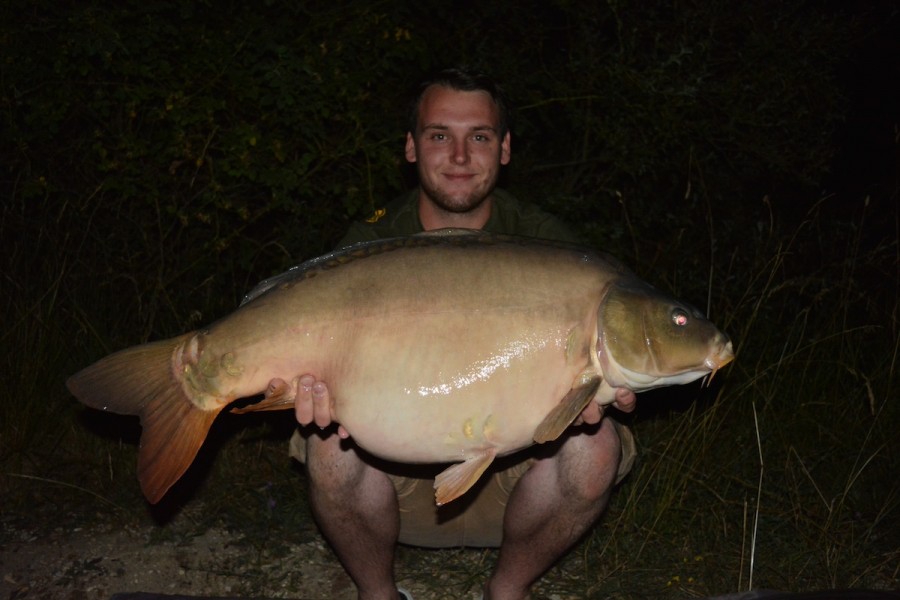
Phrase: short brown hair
pixel 462 79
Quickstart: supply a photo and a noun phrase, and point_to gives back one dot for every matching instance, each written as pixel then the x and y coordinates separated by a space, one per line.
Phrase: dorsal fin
pixel 455 236
pixel 362 250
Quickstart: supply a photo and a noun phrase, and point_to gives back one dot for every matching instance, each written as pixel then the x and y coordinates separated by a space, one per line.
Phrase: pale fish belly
pixel 433 403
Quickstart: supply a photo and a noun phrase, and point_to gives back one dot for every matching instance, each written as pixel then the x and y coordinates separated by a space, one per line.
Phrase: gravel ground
pixel 97 561
pixel 68 559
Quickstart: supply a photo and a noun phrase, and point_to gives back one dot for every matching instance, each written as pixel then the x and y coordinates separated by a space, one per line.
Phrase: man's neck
pixel 433 217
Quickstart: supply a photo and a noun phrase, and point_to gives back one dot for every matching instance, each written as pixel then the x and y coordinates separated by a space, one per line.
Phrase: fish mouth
pixel 714 362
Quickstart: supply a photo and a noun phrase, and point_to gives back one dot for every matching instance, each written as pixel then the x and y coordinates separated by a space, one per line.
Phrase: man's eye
pixel 438 137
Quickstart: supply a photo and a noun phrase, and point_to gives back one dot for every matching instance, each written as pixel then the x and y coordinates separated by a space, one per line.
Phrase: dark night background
pixel 157 159
pixel 250 136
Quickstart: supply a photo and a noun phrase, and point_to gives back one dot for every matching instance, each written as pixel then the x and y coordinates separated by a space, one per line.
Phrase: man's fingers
pixel 591 414
pixel 321 402
pixel 625 399
pixel 303 402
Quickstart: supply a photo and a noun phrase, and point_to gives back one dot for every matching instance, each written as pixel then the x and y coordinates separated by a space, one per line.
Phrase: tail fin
pixel 139 381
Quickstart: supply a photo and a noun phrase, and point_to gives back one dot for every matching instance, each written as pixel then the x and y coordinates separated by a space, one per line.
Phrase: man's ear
pixel 410 148
pixel 505 150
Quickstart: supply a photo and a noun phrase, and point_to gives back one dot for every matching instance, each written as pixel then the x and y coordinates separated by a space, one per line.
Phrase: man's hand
pixel 313 405
pixel 625 400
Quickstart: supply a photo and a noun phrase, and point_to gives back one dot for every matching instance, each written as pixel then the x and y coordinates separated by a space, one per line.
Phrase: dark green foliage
pixel 234 127
pixel 203 147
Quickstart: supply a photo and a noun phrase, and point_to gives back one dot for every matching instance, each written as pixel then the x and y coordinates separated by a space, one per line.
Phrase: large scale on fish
pixel 454 346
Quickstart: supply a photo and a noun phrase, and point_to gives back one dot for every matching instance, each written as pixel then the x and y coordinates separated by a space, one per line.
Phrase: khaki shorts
pixel 476 519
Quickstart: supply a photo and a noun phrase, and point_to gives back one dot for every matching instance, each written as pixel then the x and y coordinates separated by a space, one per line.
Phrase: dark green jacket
pixel 508 216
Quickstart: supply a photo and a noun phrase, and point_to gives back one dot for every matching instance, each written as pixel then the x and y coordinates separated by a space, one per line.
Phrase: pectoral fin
pixel 565 412
pixel 456 480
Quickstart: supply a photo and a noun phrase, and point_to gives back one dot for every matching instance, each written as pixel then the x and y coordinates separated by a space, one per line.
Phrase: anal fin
pixel 454 481
pixel 566 411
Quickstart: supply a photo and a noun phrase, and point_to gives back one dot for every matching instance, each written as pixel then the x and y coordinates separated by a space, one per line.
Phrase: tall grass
pixel 781 472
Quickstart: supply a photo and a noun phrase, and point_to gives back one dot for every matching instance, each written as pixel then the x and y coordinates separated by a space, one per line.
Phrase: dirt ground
pixel 70 560
pixel 67 561
pixel 81 563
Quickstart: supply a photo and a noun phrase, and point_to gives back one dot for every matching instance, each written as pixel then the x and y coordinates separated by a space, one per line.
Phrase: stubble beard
pixel 457 205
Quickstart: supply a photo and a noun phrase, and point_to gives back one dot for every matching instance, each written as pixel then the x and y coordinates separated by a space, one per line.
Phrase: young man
pixel 535 504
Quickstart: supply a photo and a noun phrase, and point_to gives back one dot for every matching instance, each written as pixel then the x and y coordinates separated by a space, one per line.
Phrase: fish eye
pixel 679 317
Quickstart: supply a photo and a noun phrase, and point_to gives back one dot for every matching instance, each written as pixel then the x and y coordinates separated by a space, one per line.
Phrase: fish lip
pixel 714 363
pixel 721 357
pixel 722 353
pixel 726 354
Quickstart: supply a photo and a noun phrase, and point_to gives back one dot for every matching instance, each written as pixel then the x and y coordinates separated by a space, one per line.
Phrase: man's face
pixel 457 147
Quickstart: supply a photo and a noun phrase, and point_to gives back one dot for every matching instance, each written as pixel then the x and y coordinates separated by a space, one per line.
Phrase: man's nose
pixel 460 152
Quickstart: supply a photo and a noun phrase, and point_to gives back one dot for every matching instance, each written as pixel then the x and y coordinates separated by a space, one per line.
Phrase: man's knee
pixel 332 467
pixel 589 463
